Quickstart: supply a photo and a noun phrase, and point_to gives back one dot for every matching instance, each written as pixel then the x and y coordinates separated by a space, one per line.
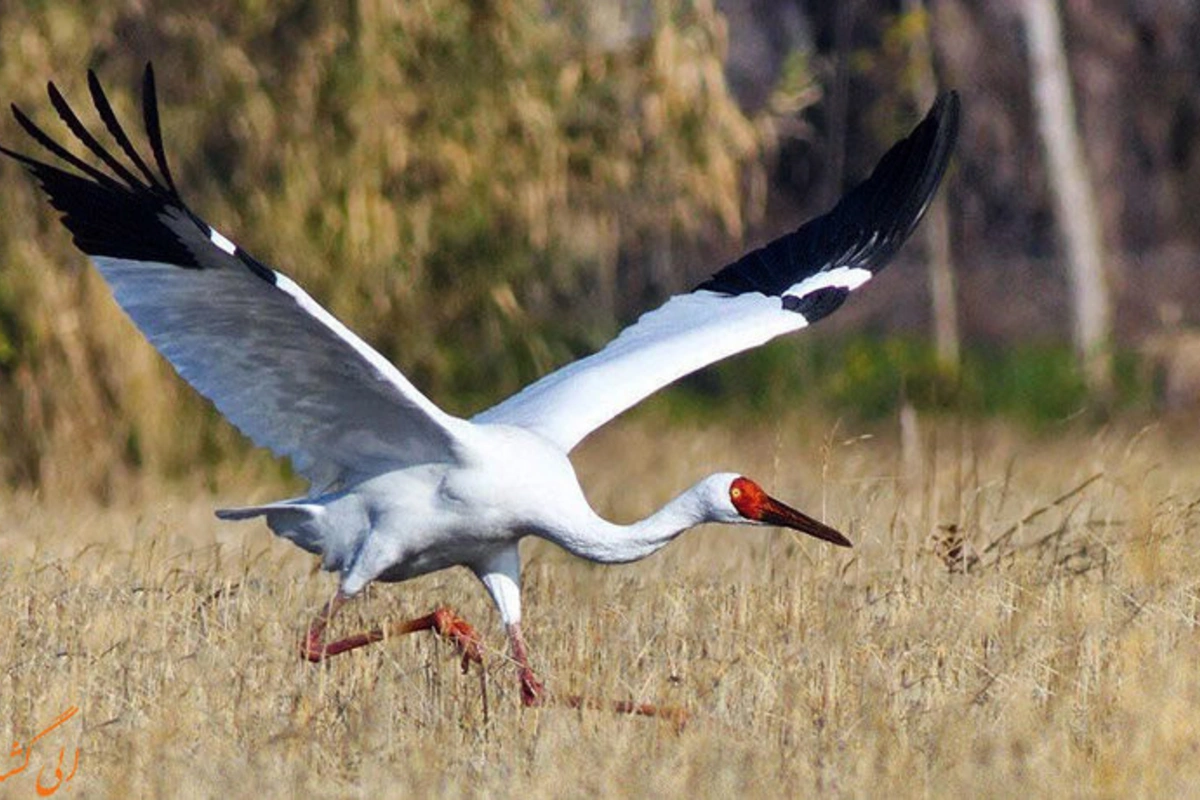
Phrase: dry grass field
pixel 1046 644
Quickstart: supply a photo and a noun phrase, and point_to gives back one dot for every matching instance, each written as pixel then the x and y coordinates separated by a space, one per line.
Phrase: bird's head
pixel 739 500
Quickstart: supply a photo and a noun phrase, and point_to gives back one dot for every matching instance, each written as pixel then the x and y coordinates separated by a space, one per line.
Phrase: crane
pixel 398 487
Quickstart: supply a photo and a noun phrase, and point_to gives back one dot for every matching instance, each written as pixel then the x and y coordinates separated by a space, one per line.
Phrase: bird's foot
pixel 533 692
pixel 676 716
pixel 312 646
pixel 451 626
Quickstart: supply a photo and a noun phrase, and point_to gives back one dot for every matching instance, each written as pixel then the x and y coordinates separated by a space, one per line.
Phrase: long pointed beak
pixel 773 512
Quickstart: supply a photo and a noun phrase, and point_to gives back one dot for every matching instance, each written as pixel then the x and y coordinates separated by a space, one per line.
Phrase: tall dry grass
pixel 1061 661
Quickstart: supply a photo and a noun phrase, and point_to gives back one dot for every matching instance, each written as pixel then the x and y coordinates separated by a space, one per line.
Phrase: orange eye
pixel 746 497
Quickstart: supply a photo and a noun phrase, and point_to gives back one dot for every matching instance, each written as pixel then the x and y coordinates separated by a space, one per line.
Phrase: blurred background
pixel 487 190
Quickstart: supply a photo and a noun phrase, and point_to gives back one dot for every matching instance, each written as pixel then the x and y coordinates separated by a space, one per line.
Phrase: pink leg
pixel 678 716
pixel 442 621
pixel 533 692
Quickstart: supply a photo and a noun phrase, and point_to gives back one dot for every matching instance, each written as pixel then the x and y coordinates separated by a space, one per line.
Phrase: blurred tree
pixel 486 189
pixel 917 31
pixel 1072 191
pixel 478 188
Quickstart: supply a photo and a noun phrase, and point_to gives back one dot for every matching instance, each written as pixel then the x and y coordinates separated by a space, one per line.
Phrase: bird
pixel 397 487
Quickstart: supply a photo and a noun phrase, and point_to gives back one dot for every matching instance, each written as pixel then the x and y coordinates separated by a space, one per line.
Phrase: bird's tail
pixel 294 521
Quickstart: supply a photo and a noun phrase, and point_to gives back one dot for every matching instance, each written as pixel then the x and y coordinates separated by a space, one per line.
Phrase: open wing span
pixel 784 286
pixel 274 362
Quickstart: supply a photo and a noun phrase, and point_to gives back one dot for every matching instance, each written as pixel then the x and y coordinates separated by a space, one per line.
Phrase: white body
pixel 398 487
pixel 507 483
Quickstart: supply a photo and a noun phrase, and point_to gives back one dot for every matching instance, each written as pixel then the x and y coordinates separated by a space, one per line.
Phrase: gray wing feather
pixel 275 363
pixel 281 374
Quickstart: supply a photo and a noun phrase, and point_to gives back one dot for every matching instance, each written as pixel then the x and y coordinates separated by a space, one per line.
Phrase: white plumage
pixel 399 488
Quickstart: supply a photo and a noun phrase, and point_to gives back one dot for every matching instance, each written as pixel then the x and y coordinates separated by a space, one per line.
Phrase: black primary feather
pixel 153 130
pixel 104 108
pixel 84 135
pixel 865 228
pixel 119 213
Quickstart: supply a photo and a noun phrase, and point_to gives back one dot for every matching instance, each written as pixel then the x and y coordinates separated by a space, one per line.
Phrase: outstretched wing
pixel 274 362
pixel 784 286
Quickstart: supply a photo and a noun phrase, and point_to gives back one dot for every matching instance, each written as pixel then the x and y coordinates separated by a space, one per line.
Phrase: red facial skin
pixel 754 504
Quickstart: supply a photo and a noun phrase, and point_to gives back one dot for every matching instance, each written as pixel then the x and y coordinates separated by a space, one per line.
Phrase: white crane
pixel 399 488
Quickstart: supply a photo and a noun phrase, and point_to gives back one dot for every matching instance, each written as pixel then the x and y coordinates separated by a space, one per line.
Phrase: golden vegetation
pixel 1061 663
pixel 1019 615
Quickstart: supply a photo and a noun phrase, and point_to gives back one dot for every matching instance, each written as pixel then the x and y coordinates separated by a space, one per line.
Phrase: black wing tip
pixel 949 102
pixel 946 102
pixel 149 87
pixel 109 211
pixel 63 108
pixel 867 225
pixel 896 194
pixel 116 213
pixel 944 116
pixel 911 182
pixel 153 126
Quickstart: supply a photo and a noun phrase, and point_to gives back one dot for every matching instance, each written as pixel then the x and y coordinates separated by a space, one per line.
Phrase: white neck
pixel 597 539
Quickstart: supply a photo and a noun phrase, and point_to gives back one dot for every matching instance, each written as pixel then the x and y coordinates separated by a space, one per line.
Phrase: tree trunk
pixel 1072 190
pixel 838 100
pixel 943 295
